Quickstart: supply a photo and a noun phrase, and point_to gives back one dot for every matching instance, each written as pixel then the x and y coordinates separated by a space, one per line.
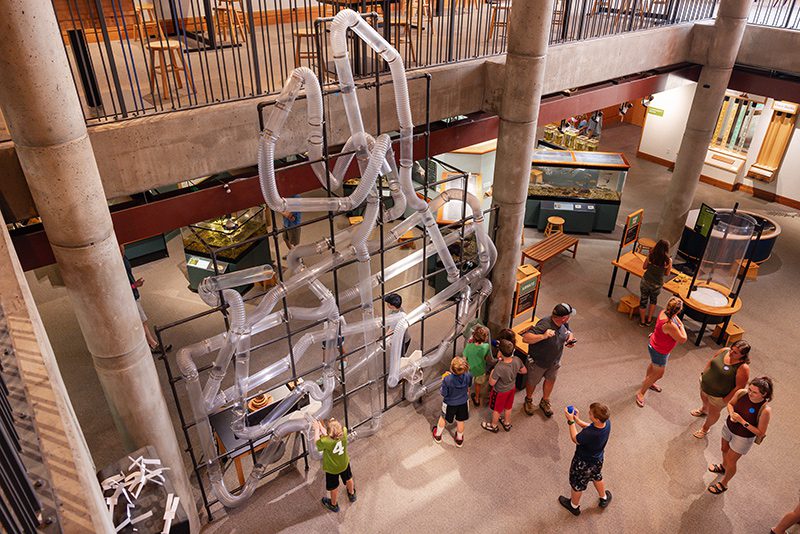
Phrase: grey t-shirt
pixel 547 352
pixel 506 374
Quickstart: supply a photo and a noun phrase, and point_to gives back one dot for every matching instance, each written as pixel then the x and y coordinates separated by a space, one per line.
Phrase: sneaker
pixel 604 502
pixel 566 503
pixel 528 406
pixel 436 438
pixel 326 502
pixel 459 441
pixel 352 496
pixel 545 406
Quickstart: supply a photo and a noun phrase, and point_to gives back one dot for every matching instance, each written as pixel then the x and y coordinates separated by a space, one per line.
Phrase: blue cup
pixel 570 409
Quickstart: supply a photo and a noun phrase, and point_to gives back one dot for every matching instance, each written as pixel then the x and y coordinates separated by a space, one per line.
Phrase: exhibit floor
pixel 510 482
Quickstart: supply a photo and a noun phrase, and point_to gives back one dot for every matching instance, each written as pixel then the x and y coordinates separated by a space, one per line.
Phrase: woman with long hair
pixel 656 266
pixel 668 332
pixel 725 374
pixel 748 418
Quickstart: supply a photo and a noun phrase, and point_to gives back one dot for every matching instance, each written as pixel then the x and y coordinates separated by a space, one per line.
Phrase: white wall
pixel 661 136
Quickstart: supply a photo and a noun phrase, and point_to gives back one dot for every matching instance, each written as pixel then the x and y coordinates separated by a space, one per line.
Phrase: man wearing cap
pixel 546 343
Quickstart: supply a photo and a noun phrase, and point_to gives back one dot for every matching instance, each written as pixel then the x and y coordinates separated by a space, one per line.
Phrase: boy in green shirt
pixel 335 461
pixel 475 351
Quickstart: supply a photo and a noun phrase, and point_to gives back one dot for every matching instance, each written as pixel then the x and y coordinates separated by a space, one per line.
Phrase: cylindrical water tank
pixel 723 258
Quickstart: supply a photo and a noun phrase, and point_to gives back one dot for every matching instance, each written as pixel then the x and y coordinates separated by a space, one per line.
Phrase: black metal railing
pixel 776 13
pixel 131 57
pixel 21 491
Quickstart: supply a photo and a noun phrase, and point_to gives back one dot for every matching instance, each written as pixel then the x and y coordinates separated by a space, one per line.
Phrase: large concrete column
pixel 41 106
pixel 528 30
pixel 714 77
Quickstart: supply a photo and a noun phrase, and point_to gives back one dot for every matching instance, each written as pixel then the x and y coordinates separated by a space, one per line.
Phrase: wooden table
pixel 678 284
pixel 238 447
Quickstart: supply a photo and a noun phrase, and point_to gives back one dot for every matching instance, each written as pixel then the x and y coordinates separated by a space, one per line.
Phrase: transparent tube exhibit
pixel 374 157
pixel 724 255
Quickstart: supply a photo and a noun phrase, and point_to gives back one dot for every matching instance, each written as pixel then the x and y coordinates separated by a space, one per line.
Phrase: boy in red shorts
pixel 502 380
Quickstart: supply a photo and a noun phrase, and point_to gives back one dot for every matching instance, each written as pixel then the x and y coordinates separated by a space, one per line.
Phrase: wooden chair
pixel 421 9
pixel 644 245
pixel 499 18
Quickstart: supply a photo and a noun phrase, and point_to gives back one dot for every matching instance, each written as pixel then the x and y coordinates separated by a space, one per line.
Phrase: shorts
pixel 582 471
pixel 536 373
pixel 142 315
pixel 480 380
pixel 649 292
pixel 738 443
pixel 292 235
pixel 500 402
pixel 658 359
pixel 332 480
pixel 459 412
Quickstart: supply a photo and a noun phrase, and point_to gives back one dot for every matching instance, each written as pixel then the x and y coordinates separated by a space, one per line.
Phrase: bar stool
pixel 645 244
pixel 158 63
pixel 555 225
pixel 299 36
pixel 498 21
pixel 405 37
pixel 147 24
pixel 230 17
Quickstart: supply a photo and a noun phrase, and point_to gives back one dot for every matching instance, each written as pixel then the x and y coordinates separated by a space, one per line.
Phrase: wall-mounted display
pixel 776 141
pixel 584 188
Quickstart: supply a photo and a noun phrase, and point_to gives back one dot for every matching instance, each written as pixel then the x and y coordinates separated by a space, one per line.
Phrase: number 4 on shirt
pixel 339 448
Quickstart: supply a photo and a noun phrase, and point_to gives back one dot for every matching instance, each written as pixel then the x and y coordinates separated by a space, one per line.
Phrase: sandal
pixel 717 468
pixel 639 401
pixel 490 427
pixel 656 388
pixel 717 488
pixel 700 434
pixel 506 426
pixel 698 412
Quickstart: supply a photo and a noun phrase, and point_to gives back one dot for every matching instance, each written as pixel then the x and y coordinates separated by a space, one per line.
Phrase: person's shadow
pixel 706 515
pixel 684 450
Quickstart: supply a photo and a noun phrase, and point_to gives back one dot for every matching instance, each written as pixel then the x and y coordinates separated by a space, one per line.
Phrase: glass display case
pixel 231 240
pixel 584 188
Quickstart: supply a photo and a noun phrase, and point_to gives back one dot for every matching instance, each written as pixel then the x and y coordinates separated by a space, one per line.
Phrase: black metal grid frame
pixel 274 234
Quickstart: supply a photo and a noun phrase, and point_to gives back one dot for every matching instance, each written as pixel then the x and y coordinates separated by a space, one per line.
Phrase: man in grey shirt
pixel 546 342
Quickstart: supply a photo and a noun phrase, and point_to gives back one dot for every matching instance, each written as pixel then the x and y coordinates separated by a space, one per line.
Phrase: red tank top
pixel 661 342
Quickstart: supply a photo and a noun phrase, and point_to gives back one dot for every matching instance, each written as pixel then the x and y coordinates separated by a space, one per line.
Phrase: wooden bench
pixel 550 247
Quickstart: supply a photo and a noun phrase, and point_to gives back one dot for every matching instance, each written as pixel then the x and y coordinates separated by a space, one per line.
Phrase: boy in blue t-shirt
pixel 587 464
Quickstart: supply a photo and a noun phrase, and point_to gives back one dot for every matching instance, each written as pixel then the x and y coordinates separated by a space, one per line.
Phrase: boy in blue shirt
pixel 587 464
pixel 455 405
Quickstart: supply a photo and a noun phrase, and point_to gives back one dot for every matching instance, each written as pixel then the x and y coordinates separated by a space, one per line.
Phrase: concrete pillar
pixel 528 30
pixel 721 54
pixel 41 106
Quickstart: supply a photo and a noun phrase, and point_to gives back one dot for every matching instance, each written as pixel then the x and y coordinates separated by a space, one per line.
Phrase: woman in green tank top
pixel 726 373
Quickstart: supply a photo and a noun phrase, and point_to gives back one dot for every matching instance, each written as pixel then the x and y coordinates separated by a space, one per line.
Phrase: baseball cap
pixel 564 309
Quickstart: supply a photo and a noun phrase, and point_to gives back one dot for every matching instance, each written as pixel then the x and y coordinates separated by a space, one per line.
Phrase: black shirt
pixel 592 442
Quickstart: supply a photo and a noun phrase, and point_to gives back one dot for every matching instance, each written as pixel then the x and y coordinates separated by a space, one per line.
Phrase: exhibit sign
pixel 705 218
pixel 658 112
pixel 526 294
pixel 632 226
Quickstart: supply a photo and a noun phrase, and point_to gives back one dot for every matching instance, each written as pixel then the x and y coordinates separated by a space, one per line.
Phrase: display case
pixel 584 188
pixel 233 241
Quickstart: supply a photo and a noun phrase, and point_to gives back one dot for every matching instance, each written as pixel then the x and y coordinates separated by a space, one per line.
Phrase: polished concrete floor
pixel 510 481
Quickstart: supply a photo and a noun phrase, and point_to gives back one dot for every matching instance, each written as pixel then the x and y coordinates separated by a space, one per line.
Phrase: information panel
pixel 632 227
pixel 526 295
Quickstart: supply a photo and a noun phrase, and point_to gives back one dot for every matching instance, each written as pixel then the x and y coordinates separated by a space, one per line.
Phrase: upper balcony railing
pixel 133 57
pixel 776 13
